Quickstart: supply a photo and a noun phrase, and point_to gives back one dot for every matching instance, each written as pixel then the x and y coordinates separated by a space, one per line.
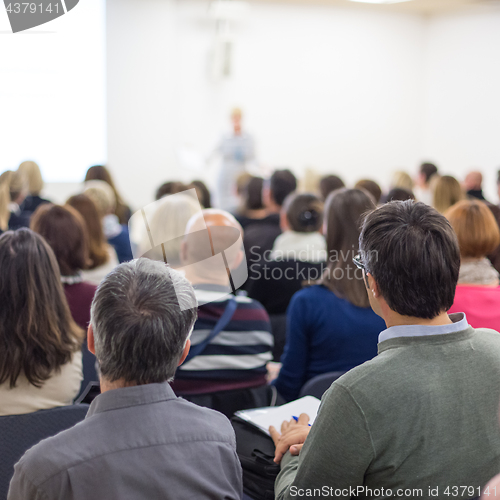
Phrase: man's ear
pixel 185 352
pixel 183 251
pixel 284 221
pixel 373 286
pixel 90 340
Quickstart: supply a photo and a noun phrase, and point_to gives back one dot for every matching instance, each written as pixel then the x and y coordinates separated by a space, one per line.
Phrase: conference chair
pixel 18 433
pixel 318 385
pixel 278 328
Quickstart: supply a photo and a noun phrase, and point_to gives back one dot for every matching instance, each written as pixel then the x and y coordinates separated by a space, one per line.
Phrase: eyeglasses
pixel 358 263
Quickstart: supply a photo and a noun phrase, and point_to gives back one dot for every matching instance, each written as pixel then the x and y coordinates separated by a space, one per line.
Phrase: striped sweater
pixel 236 357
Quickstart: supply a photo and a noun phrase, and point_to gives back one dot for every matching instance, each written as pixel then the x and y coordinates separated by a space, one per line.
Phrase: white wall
pixel 342 90
pixel 336 89
pixel 462 118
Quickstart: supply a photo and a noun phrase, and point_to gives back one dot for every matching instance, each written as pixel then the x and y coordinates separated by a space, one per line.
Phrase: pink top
pixel 481 305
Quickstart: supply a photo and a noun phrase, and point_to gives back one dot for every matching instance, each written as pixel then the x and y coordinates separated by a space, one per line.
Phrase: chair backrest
pixel 318 385
pixel 18 433
pixel 278 328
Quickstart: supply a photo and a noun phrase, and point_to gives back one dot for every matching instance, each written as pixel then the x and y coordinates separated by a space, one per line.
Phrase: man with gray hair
pixel 138 441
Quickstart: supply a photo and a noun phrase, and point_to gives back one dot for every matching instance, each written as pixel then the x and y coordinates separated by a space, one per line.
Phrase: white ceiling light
pixel 380 1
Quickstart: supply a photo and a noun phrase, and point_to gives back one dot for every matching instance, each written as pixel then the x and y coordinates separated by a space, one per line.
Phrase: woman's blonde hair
pixel 401 179
pixel 103 196
pixel 447 191
pixel 31 171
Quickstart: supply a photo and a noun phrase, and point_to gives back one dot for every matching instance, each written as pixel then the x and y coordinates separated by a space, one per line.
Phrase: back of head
pixel 203 193
pixel 447 192
pixel 372 187
pixel 98 247
pixel 253 194
pixel 64 230
pixel 473 181
pixel 399 194
pixel 427 170
pixel 170 187
pixel 37 333
pixel 344 210
pixel 403 180
pixel 412 253
pixel 281 184
pixel 304 212
pixel 328 184
pixel 168 224
pixel 476 228
pixel 141 315
pixel 103 196
pixel 31 172
pixel 223 231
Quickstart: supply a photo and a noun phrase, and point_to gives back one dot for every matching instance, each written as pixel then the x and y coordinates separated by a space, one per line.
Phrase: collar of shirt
pixel 459 324
pixel 131 396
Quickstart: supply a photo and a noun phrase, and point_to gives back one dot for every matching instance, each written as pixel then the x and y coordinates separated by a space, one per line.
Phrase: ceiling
pixel 413 6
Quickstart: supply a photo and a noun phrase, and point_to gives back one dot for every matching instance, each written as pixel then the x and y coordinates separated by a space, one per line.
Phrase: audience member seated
pixel 330 326
pixel 116 234
pixel 259 236
pixel 102 255
pixel 12 195
pixel 478 293
pixel 372 187
pixel 139 441
pixel 298 255
pixel 168 224
pixel 203 193
pixel 31 172
pixel 101 173
pixel 253 210
pixel 399 194
pixel 446 192
pixel 170 187
pixel 423 188
pixel 328 184
pixel 236 358
pixel 403 180
pixel 41 362
pixel 424 412
pixel 64 230
pixel 473 185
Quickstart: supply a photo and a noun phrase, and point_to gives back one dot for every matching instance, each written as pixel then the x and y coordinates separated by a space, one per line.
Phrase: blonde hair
pixel 447 192
pixel 31 172
pixel 5 200
pixel 103 196
pixel 168 224
pixel 403 180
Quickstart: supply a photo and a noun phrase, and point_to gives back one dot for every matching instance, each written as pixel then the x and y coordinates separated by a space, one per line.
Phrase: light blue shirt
pixel 459 324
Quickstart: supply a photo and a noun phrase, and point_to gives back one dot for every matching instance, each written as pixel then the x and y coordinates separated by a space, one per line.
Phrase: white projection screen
pixel 52 93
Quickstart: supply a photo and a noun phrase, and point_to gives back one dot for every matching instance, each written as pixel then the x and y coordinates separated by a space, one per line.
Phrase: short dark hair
pixel 141 315
pixel 304 212
pixel 412 252
pixel 281 184
pixel 253 194
pixel 428 169
pixel 399 194
pixel 328 184
pixel 171 187
pixel 372 187
pixel 203 193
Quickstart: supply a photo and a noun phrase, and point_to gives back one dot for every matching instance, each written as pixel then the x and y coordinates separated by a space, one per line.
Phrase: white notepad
pixel 275 415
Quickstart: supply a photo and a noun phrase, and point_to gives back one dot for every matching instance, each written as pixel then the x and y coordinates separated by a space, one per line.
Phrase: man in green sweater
pixel 420 420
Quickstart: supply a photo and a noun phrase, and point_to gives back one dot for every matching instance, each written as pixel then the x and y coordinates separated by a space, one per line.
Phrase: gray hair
pixel 142 314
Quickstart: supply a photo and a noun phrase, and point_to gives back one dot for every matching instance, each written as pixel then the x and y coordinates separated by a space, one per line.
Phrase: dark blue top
pixel 324 334
pixel 121 244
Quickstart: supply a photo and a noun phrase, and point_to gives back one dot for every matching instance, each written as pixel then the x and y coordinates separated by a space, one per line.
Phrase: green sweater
pixel 422 414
